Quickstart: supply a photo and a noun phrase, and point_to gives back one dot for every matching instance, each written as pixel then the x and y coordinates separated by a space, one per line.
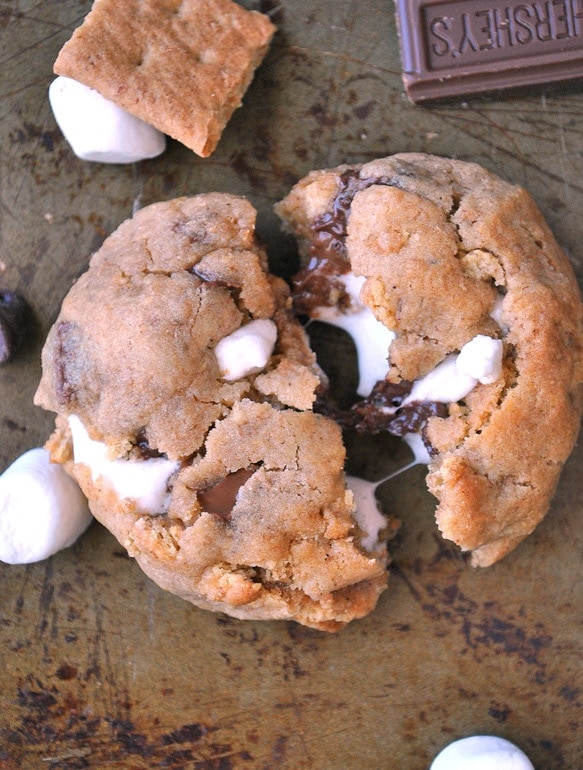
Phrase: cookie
pixel 183 387
pixel 468 324
pixel 182 66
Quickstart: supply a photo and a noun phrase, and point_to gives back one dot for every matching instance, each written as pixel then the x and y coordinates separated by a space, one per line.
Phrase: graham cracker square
pixel 182 66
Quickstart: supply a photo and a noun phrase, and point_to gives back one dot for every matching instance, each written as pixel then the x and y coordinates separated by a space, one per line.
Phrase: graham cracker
pixel 182 66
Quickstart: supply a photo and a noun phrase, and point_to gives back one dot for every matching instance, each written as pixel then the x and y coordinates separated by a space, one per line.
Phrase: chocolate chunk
pixel 456 48
pixel 14 323
pixel 221 498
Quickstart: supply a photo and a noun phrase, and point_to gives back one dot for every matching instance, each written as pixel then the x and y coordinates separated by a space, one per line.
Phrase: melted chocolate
pixel 222 496
pixel 408 419
pixel 382 411
pixel 317 284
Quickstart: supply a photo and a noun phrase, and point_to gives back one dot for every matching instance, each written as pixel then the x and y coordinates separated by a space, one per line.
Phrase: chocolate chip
pixel 14 322
pixel 222 496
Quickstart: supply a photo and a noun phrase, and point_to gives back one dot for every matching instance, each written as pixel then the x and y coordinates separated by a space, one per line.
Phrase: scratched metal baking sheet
pixel 100 668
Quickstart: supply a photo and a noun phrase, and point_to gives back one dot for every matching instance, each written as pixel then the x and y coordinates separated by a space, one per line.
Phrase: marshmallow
pixel 42 510
pixel 444 384
pixel 481 752
pixel 145 481
pixel 415 443
pixel 481 358
pixel 371 338
pixel 367 514
pixel 247 350
pixel 97 129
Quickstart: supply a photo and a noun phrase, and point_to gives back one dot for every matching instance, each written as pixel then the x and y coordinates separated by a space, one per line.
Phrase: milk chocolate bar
pixel 456 48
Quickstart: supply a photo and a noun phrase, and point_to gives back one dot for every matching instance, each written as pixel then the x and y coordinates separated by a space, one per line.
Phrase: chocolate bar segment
pixel 458 48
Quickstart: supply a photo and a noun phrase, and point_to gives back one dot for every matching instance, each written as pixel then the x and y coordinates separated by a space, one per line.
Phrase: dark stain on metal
pixel 570 694
pixel 66 672
pixel 188 733
pixel 509 638
pixel 7 15
pixel 499 713
pixel 12 425
pixel 240 164
pixel 364 110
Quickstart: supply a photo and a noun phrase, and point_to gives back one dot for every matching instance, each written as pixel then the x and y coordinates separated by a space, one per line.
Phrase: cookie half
pixel 183 387
pixel 468 324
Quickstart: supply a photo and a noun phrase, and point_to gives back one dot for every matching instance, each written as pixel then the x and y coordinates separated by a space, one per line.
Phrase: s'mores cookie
pixel 181 66
pixel 468 325
pixel 183 387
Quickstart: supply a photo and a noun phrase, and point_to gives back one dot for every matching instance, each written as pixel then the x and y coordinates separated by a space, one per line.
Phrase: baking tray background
pixel 100 668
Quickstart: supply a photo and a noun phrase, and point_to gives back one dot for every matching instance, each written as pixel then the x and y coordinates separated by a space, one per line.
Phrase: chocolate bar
pixel 456 48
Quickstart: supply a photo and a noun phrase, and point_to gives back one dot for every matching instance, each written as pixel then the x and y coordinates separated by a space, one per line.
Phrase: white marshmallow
pixel 444 384
pixel 144 481
pixel 97 129
pixel 367 514
pixel 481 752
pixel 481 358
pixel 415 443
pixel 247 350
pixel 371 337
pixel 42 509
pixel 498 310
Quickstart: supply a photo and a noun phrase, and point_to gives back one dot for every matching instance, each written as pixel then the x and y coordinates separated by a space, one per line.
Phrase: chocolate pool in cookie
pixel 468 326
pixel 183 388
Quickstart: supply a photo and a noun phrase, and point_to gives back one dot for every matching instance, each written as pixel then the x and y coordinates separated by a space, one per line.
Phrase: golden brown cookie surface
pixel 210 468
pixel 447 254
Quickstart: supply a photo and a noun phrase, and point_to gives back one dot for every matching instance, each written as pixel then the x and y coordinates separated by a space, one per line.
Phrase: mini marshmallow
pixel 97 129
pixel 371 338
pixel 247 350
pixel 145 481
pixel 481 358
pixel 481 752
pixel 42 509
pixel 445 384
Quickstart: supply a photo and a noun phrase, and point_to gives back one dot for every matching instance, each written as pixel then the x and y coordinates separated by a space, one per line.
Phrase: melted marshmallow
pixel 144 481
pixel 498 310
pixel 97 129
pixel 479 360
pixel 247 350
pixel 42 509
pixel 371 337
pixel 481 752
pixel 367 514
pixel 416 445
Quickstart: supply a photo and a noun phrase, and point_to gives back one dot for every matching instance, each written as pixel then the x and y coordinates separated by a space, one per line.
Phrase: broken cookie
pixel 468 325
pixel 183 387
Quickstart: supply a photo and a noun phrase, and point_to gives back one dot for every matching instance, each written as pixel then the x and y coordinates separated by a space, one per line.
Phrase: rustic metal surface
pixel 100 668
